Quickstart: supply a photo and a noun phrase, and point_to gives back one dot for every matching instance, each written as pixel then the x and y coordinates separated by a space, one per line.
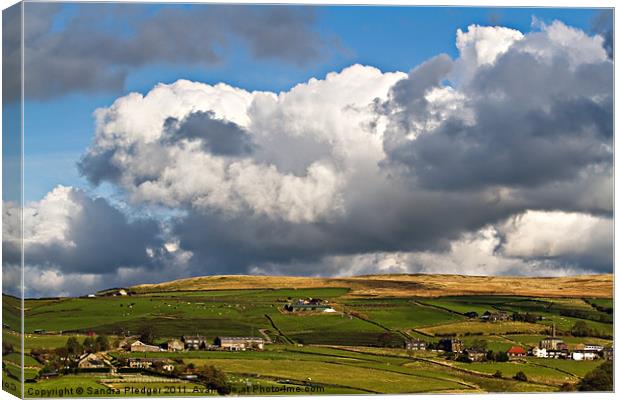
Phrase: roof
pixel 516 349
pixel 239 338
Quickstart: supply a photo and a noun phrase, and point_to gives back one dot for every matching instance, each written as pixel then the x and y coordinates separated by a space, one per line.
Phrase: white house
pixel 584 356
pixel 540 353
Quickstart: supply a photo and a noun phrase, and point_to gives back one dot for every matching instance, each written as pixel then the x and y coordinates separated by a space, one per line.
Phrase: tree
pixel 89 345
pixel 6 348
pixel 501 356
pixel 102 343
pixel 497 374
pixel 147 334
pixel 520 376
pixel 581 329
pixel 479 344
pixel 214 379
pixel 600 379
pixel 73 346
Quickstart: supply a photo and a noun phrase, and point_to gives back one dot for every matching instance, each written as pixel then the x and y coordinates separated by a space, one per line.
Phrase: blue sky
pixel 59 129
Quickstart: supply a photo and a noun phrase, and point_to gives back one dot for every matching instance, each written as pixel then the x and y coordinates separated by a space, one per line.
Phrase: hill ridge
pixel 404 285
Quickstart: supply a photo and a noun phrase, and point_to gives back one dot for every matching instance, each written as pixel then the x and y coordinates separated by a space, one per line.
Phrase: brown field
pixel 600 286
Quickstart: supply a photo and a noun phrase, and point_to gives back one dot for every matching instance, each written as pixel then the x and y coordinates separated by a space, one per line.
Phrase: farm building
pixel 451 344
pixel 495 317
pixel 175 345
pixel 415 344
pixel 471 314
pixel 308 307
pixel 593 348
pixel 240 343
pixel 194 342
pixel 551 353
pixel 93 361
pixel 138 346
pixel 516 351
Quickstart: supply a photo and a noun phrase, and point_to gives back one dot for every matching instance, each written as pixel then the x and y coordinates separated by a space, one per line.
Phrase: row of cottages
pixel 167 365
pixel 240 343
pixel 415 345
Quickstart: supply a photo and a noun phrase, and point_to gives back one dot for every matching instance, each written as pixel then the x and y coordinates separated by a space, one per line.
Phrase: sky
pixel 167 141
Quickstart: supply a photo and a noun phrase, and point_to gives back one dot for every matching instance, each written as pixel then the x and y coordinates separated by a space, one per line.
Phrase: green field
pixel 358 349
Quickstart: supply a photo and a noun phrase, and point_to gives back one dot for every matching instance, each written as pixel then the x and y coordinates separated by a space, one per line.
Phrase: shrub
pixel 520 376
pixel 498 374
pixel 600 379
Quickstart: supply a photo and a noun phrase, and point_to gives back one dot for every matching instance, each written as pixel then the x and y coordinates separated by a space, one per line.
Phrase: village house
pixel 93 361
pixel 582 355
pixel 553 342
pixel 194 342
pixel 240 343
pixel 516 352
pixel 175 345
pixel 539 352
pixel 475 355
pixel 453 345
pixel 415 344
pixel 138 346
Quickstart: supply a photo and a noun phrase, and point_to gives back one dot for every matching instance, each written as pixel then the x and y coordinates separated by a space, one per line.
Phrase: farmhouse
pixel 495 317
pixel 240 343
pixel 138 346
pixel 175 345
pixel 415 344
pixel 194 342
pixel 516 351
pixel 308 307
pixel 453 345
pixel 93 361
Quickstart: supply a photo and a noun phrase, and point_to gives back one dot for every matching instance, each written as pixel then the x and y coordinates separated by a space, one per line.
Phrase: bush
pixel 599 380
pixel 520 376
pixel 568 387
pixel 214 379
pixel 497 374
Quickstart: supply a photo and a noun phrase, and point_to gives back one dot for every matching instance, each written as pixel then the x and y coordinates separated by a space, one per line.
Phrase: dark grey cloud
pixel 535 122
pixel 99 239
pixel 217 136
pixel 96 48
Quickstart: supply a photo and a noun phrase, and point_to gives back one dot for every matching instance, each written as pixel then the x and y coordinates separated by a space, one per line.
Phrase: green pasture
pixel 402 314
